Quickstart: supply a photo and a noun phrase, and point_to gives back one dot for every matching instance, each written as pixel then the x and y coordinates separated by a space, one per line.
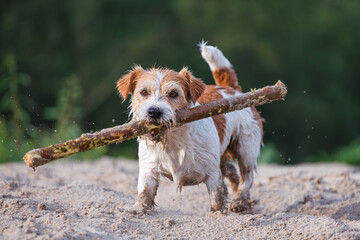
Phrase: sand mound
pixel 92 200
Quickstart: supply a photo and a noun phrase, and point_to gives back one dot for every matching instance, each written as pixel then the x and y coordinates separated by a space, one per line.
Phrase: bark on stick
pixel 88 141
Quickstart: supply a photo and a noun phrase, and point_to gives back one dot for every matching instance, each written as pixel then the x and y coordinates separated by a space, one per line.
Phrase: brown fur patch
pixel 211 94
pixel 126 84
pixel 228 170
pixel 226 77
pixel 259 120
pixel 196 86
pixel 220 124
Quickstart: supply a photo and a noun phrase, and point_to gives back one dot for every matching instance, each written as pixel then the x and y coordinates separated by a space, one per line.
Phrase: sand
pixel 92 200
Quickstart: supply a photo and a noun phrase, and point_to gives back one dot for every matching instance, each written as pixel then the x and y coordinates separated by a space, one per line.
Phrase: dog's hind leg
pixel 248 150
pixel 228 170
pixel 241 199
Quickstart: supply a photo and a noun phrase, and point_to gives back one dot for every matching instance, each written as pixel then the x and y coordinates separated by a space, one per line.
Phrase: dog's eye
pixel 173 94
pixel 144 92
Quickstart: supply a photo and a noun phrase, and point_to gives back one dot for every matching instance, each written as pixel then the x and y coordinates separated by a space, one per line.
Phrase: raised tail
pixel 224 74
pixel 221 68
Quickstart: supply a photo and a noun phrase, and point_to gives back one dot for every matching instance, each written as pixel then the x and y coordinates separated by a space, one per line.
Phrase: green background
pixel 60 61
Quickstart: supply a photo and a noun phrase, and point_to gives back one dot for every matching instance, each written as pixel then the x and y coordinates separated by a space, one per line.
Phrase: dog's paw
pixel 141 209
pixel 221 210
pixel 240 204
pixel 218 213
pixel 239 207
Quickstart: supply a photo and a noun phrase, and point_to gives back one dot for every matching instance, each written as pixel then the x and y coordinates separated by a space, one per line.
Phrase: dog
pixel 199 151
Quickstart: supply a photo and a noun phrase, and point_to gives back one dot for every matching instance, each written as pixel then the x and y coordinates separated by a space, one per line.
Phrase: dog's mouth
pixel 154 133
pixel 157 135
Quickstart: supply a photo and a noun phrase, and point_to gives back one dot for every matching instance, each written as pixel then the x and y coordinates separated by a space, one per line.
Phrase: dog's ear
pixel 126 84
pixel 196 86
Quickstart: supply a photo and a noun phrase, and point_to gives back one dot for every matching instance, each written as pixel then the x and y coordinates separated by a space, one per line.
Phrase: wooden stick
pixel 88 141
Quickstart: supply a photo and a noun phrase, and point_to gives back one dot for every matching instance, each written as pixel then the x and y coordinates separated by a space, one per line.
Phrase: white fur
pixel 159 78
pixel 190 150
pixel 213 56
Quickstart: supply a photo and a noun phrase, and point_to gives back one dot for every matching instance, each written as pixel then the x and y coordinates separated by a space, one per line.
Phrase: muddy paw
pixel 221 210
pixel 240 205
pixel 140 209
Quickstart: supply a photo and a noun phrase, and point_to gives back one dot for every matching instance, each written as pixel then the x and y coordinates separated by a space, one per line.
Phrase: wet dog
pixel 197 152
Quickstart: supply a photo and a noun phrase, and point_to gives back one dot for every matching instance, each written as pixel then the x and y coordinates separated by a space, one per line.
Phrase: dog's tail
pixel 221 68
pixel 224 74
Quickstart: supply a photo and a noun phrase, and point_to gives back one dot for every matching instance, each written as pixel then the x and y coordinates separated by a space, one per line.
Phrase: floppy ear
pixel 126 84
pixel 196 86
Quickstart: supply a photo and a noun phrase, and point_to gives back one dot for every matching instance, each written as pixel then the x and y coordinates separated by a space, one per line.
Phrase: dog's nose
pixel 154 112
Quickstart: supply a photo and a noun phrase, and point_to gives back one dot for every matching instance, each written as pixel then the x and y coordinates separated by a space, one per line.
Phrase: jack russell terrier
pixel 197 152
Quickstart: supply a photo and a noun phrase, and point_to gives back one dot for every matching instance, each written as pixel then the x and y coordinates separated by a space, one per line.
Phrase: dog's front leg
pixel 147 186
pixel 218 192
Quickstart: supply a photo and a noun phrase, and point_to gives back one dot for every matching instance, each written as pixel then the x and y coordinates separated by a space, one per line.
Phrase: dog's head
pixel 158 92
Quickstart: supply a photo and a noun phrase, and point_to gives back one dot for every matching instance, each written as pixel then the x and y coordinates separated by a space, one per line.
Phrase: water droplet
pixel 304 91
pixel 289 160
pixel 55 130
pixel 308 137
pixel 93 123
pixel 312 128
pixel 281 155
pixel 273 132
pixel 10 150
pixel 283 135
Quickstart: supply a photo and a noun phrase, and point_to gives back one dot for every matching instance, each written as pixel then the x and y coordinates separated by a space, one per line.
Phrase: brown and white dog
pixel 197 152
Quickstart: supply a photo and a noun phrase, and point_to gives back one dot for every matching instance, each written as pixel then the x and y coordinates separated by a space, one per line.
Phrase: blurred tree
pixel 310 45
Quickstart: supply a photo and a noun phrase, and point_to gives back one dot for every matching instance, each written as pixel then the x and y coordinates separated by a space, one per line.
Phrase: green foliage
pixel 269 154
pixel 73 51
pixel 349 154
pixel 17 134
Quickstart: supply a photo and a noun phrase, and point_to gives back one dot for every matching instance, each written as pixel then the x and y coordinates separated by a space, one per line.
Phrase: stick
pixel 88 141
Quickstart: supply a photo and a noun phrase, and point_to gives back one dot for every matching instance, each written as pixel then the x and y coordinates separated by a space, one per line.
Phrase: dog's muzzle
pixel 154 113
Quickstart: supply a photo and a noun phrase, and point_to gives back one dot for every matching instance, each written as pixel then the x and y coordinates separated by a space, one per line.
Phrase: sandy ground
pixel 92 200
